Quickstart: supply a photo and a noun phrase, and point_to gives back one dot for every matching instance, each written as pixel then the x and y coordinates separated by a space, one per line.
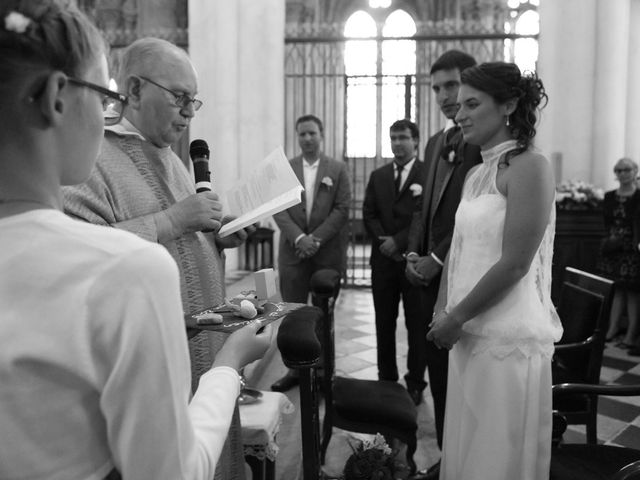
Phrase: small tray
pixel 231 323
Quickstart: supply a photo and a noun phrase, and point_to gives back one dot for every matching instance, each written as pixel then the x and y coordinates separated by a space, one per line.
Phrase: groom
pixel 447 160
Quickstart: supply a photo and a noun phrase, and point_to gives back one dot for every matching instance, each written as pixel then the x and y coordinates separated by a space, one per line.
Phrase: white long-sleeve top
pixel 94 367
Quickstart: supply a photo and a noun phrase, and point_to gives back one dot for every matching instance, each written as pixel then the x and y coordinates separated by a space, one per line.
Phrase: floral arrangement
pixel 578 195
pixel 416 189
pixel 373 460
pixel 16 22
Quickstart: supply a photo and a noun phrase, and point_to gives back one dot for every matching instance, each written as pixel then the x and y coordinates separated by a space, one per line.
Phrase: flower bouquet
pixel 578 195
pixel 374 460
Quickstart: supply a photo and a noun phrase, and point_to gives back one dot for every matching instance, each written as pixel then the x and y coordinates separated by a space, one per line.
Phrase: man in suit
pixel 313 234
pixel 392 193
pixel 447 160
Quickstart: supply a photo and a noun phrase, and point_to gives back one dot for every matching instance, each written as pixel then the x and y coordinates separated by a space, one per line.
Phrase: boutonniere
pixel 327 181
pixel 16 22
pixel 449 153
pixel 416 189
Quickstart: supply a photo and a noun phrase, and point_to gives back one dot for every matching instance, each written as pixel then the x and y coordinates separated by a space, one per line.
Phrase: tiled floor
pixel 618 418
pixel 618 421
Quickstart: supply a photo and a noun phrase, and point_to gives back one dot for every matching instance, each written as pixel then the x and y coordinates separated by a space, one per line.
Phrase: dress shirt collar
pixel 307 164
pixel 405 168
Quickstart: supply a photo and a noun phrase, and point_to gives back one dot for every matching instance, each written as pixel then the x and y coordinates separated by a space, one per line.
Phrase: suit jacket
pixel 385 213
pixel 328 219
pixel 432 233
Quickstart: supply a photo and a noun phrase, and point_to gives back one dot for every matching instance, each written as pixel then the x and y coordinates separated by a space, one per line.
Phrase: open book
pixel 271 187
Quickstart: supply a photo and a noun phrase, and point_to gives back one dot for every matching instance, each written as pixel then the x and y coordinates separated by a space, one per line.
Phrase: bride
pixel 494 311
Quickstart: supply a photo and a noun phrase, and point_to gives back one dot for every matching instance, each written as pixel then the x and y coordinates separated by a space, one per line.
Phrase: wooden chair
pixel 584 307
pixel 300 350
pixel 364 406
pixel 591 461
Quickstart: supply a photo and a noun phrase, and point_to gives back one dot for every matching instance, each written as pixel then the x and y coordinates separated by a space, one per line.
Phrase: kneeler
pixel 355 405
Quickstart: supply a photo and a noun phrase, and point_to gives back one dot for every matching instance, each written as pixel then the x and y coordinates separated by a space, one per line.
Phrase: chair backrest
pixel 584 308
pixel 325 286
pixel 300 349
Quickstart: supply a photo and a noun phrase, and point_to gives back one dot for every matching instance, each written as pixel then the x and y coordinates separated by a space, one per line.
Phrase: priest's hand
pixel 195 213
pixel 235 239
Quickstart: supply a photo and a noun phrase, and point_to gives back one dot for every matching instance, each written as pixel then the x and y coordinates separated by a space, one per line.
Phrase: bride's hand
pixel 445 330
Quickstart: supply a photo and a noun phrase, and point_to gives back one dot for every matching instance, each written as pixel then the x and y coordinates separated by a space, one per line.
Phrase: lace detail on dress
pixel 525 348
pixel 525 320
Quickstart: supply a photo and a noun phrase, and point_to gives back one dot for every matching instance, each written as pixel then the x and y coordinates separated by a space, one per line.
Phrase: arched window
pixel 398 60
pixel 377 69
pixel 524 20
pixel 360 58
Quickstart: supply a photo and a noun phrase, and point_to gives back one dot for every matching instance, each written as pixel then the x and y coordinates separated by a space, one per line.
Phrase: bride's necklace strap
pixel 497 151
pixel 493 155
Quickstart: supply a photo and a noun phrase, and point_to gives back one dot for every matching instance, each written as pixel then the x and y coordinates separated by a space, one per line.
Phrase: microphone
pixel 199 153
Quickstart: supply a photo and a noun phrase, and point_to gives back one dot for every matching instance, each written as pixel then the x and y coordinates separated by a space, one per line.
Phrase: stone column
pixel 566 66
pixel 610 93
pixel 632 144
pixel 589 63
pixel 237 48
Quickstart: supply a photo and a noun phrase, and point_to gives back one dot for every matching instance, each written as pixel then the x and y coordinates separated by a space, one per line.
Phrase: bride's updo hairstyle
pixel 38 37
pixel 503 82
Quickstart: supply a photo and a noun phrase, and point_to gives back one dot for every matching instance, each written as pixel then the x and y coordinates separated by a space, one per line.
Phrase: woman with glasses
pixel 94 367
pixel 619 258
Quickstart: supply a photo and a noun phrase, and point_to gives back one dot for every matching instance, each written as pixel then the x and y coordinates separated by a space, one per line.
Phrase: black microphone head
pixel 198 148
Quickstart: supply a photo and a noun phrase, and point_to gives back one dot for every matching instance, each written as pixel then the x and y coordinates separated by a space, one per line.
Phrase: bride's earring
pixel 507 123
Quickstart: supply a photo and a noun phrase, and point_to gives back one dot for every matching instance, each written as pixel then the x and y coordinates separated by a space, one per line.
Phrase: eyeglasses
pixel 182 100
pixel 113 103
pixel 622 170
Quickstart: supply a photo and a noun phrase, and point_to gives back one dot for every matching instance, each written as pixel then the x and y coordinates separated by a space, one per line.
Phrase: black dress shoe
pixel 416 396
pixel 634 351
pixel 285 383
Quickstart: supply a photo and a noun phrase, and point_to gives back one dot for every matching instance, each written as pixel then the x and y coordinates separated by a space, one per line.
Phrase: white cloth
pixel 498 416
pixel 94 365
pixel 498 412
pixel 310 172
pixel 261 422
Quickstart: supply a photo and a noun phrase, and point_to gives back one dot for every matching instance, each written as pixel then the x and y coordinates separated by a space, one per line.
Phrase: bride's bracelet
pixel 444 310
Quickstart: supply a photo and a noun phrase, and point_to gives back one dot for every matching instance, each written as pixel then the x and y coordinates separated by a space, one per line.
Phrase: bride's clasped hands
pixel 445 329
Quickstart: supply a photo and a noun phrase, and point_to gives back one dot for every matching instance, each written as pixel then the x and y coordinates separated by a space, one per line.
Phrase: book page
pixel 271 187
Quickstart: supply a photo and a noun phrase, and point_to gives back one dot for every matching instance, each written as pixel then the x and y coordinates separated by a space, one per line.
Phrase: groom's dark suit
pixel 431 231
pixel 386 213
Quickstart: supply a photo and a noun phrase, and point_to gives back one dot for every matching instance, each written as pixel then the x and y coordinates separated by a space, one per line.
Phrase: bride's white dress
pixel 498 413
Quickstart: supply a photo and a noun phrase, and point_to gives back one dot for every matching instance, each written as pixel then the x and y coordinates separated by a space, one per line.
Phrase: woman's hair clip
pixel 16 22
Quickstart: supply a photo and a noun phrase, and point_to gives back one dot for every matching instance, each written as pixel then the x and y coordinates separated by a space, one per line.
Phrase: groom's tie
pixel 398 180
